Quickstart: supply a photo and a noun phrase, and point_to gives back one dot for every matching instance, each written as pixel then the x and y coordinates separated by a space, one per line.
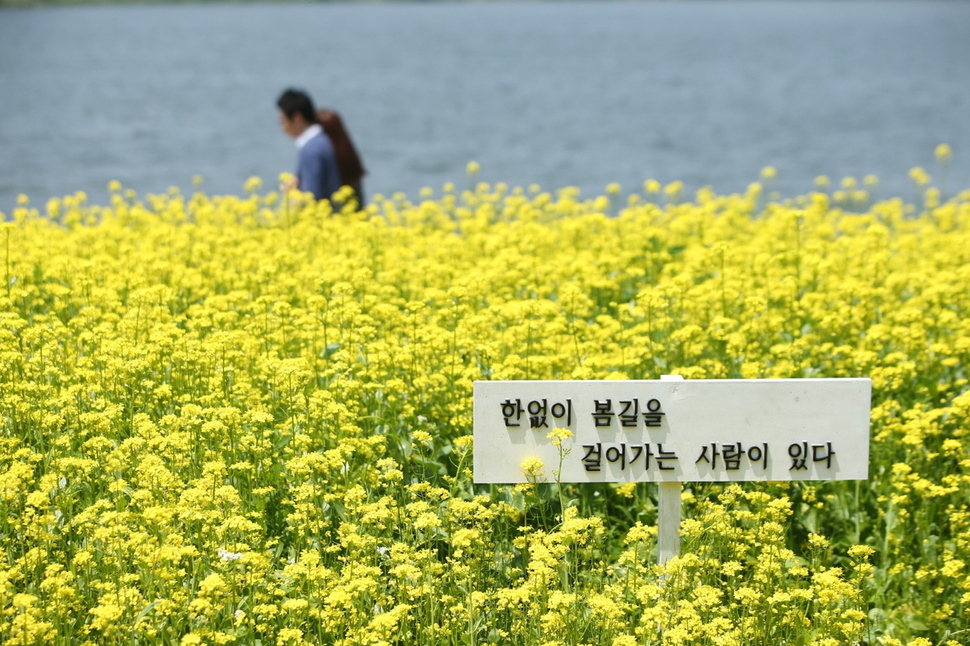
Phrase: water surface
pixel 577 93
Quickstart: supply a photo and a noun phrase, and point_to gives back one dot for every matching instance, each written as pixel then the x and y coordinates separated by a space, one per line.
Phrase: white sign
pixel 674 431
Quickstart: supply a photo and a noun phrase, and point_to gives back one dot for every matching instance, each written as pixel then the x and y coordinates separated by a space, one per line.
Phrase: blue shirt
pixel 317 169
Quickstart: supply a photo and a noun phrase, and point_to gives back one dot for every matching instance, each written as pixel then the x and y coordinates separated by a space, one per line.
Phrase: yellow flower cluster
pixel 238 420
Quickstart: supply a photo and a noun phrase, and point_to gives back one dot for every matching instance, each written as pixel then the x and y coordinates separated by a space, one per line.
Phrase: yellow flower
pixel 532 467
pixel 859 552
pixel 627 490
pixel 673 189
pixel 422 437
pixel 253 184
pixel 557 435
pixel 919 176
pixel 222 414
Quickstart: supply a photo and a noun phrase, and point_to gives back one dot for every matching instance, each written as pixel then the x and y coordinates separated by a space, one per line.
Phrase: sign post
pixel 668 511
pixel 673 430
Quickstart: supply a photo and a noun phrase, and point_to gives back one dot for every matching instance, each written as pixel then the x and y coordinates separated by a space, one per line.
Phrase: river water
pixel 556 93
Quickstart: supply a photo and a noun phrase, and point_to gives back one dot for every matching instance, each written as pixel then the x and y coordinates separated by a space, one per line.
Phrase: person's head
pixel 296 112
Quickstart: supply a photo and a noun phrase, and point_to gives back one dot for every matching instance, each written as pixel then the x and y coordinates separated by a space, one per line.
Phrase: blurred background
pixel 552 93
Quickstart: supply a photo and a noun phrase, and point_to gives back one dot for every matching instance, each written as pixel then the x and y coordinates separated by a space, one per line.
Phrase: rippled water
pixel 569 93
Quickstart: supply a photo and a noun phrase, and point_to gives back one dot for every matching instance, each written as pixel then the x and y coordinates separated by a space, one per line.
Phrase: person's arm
pixel 331 173
pixel 312 173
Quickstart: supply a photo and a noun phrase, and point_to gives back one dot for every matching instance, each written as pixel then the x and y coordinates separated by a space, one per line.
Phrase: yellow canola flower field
pixel 247 420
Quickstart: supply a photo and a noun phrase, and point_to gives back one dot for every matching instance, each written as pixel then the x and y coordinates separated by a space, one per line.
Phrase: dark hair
pixel 348 161
pixel 293 102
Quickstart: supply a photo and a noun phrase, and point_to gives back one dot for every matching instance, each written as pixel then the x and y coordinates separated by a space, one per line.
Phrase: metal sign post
pixel 673 430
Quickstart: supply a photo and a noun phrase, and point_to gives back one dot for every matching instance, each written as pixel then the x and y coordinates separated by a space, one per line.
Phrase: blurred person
pixel 317 170
pixel 348 161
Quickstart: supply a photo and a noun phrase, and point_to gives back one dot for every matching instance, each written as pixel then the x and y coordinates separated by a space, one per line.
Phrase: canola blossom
pixel 247 420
